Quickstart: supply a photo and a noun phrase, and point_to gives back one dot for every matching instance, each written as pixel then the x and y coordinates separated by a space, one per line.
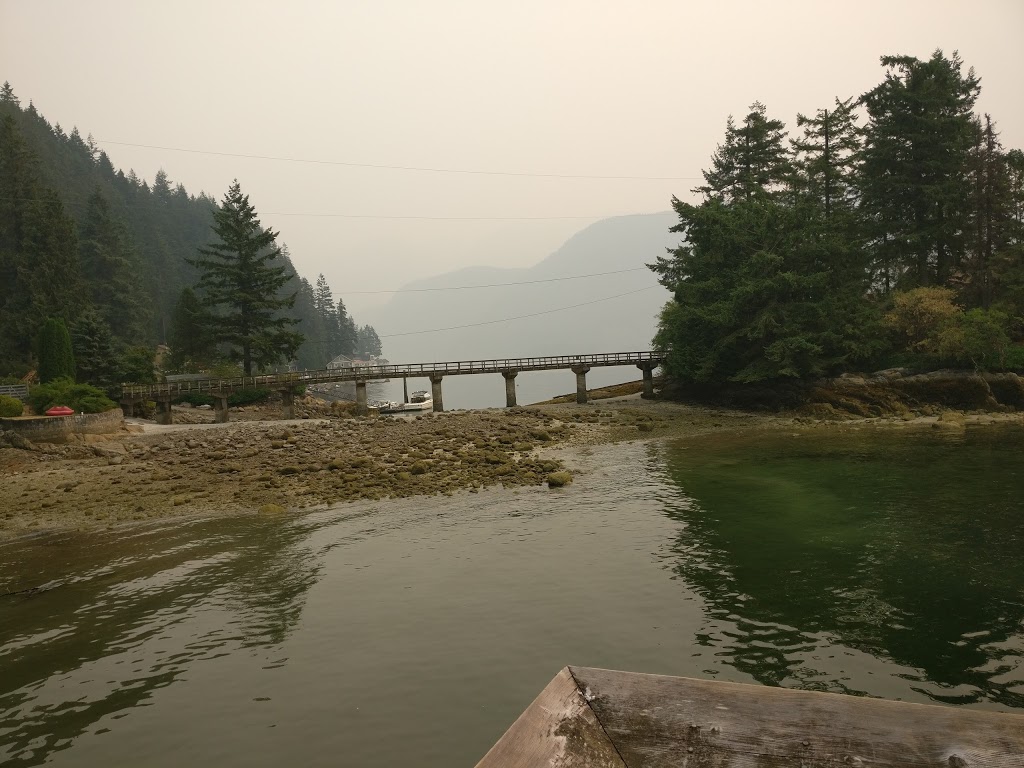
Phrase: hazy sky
pixel 582 88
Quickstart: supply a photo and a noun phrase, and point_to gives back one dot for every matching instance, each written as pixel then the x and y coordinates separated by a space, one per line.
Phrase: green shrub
pixel 249 396
pixel 10 406
pixel 56 360
pixel 82 398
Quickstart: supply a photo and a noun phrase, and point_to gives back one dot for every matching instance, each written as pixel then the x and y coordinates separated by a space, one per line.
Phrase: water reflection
pixel 131 614
pixel 902 547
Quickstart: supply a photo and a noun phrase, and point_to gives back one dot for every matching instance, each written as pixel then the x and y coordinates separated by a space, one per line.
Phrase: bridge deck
pixel 377 372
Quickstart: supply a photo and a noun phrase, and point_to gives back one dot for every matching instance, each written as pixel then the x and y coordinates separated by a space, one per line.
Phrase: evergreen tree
pixel 239 282
pixel 192 347
pixel 7 95
pixel 110 266
pixel 913 178
pixel 752 160
pixel 56 359
pixel 96 362
pixel 39 274
pixel 368 341
pixel 348 336
pixel 824 158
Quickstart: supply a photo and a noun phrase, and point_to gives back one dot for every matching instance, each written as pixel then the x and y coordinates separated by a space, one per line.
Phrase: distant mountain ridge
pixel 621 245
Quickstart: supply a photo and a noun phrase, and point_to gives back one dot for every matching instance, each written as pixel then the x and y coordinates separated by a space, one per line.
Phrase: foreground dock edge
pixel 602 718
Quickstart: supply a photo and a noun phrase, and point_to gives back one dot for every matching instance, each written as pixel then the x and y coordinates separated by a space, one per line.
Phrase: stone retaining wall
pixel 60 429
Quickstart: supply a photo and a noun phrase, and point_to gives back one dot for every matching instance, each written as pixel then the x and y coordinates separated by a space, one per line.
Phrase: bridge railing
pixel 372 372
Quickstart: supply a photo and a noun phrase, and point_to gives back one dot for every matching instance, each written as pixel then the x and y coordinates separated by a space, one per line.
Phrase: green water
pixel 414 632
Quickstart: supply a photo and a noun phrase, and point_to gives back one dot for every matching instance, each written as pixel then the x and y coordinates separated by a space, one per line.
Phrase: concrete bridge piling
pixel 362 409
pixel 220 408
pixel 581 372
pixel 647 367
pixel 510 387
pixel 435 391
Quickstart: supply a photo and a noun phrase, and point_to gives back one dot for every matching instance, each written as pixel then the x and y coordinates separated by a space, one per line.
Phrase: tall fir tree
pixel 239 282
pixel 111 268
pixel 913 176
pixel 39 269
pixel 752 160
pixel 95 357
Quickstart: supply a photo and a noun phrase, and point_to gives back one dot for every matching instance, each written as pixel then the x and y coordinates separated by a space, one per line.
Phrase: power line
pixel 517 317
pixel 501 285
pixel 381 166
pixel 384 217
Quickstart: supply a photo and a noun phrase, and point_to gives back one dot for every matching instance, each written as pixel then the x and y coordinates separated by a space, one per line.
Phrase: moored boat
pixel 418 402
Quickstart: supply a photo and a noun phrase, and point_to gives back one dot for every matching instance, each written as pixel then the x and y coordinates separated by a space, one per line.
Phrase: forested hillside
pixel 888 231
pixel 109 254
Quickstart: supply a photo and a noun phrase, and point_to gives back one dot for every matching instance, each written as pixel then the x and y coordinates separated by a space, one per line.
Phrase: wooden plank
pixel 656 721
pixel 558 729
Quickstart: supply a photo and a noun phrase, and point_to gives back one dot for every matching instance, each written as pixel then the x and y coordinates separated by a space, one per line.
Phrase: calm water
pixel 414 632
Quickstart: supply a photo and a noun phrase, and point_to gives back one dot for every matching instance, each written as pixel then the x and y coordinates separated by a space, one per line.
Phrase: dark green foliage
pixel 192 346
pixel 915 163
pixel 761 292
pixel 95 356
pixel 82 398
pixel 39 276
pixel 791 259
pixel 111 269
pixel 135 365
pixel 368 342
pixel 241 274
pixel 752 160
pixel 56 359
pixel 10 407
pixel 247 396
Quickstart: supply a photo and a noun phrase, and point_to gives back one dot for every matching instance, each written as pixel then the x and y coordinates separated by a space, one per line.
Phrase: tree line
pixel 126 265
pixel 889 231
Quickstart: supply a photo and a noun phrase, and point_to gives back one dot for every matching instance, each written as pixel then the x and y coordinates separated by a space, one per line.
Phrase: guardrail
pixel 19 391
pixel 375 372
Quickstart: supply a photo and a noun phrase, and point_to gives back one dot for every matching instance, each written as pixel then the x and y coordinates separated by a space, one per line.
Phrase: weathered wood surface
pixel 558 729
pixel 653 721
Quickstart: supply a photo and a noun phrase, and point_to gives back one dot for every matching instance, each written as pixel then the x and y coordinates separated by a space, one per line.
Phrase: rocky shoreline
pixel 275 467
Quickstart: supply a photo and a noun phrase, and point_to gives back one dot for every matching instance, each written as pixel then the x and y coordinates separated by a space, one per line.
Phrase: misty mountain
pixel 409 325
pixel 575 316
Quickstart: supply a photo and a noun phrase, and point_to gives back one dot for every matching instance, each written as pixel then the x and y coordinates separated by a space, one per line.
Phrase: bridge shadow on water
pixel 894 546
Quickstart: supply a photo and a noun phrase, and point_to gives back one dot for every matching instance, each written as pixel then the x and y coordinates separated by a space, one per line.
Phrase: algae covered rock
pixel 558 479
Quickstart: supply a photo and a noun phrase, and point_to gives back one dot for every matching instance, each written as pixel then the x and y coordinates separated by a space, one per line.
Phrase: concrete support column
pixel 648 369
pixel 287 404
pixel 510 387
pixel 435 392
pixel 581 372
pixel 128 408
pixel 362 409
pixel 163 411
pixel 220 408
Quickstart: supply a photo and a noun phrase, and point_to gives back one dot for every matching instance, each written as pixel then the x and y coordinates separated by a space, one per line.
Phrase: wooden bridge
pixel 287 383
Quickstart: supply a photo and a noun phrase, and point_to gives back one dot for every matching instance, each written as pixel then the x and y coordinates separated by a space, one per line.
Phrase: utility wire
pixel 424 169
pixel 501 285
pixel 385 217
pixel 517 317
